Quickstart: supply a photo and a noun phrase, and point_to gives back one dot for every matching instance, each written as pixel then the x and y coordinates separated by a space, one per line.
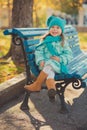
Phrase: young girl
pixel 51 55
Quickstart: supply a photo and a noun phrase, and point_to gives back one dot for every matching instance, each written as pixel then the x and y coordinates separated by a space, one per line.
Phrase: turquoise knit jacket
pixel 50 47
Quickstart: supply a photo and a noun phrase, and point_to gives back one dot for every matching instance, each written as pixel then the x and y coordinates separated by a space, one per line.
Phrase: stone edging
pixel 12 88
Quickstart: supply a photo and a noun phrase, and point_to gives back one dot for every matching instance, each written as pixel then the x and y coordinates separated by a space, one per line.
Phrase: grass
pixel 8 69
pixel 4 43
pixel 83 41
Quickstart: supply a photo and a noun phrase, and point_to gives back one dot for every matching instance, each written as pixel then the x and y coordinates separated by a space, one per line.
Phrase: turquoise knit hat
pixel 56 21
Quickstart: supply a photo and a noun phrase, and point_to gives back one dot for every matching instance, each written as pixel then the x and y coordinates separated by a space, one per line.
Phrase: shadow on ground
pixel 44 115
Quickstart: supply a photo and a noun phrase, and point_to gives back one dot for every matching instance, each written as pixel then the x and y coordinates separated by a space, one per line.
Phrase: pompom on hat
pixel 56 21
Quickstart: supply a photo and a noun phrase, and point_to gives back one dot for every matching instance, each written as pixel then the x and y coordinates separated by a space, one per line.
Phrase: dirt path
pixel 44 115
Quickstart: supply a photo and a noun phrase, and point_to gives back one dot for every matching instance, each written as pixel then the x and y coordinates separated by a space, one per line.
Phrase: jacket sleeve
pixel 39 54
pixel 66 55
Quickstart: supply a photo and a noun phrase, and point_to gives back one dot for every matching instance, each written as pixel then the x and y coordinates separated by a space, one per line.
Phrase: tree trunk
pixel 22 16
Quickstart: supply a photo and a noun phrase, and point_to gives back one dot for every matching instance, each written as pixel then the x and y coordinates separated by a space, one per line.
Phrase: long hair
pixel 47 34
pixel 63 38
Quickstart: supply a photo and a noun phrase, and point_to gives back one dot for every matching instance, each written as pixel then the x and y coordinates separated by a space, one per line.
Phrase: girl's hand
pixel 42 37
pixel 55 58
pixel 42 64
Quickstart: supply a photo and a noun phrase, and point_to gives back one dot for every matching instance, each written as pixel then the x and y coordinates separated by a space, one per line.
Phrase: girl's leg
pixel 36 86
pixel 48 73
pixel 50 82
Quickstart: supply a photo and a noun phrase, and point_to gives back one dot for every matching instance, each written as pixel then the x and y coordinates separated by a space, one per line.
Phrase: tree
pixel 22 16
pixel 68 6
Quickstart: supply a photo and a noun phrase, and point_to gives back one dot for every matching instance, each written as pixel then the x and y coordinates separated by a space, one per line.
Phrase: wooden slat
pixel 31 42
pixel 8 32
pixel 34 68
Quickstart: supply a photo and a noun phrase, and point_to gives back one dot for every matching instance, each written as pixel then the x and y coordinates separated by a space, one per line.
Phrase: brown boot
pixel 51 89
pixel 36 86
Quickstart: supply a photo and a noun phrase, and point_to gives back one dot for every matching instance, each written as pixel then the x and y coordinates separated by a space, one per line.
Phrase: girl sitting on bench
pixel 51 55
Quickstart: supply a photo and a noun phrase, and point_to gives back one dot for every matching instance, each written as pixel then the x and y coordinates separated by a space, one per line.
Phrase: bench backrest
pixel 71 36
pixel 27 33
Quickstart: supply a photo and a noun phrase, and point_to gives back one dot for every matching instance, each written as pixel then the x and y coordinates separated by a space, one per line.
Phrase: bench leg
pixel 24 105
pixel 60 91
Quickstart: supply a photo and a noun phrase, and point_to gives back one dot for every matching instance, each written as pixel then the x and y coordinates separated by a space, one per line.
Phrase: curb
pixel 12 88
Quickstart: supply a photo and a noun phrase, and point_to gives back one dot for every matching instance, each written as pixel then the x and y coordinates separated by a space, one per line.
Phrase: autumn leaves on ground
pixel 8 69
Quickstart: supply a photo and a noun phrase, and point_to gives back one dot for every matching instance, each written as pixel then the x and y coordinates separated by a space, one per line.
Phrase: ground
pixel 44 115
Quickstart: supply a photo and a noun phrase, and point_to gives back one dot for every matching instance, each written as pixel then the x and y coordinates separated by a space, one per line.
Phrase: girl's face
pixel 55 31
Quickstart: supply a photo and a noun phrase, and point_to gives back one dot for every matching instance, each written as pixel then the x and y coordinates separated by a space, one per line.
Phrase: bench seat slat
pixel 31 42
pixel 76 51
pixel 80 71
pixel 30 56
pixel 34 68
pixel 76 59
pixel 28 32
pixel 70 34
pixel 85 80
pixel 8 31
pixel 25 34
pixel 79 65
pixel 72 40
pixel 76 65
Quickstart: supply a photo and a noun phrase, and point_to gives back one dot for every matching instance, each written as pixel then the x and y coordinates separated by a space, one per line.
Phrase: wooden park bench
pixel 28 38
